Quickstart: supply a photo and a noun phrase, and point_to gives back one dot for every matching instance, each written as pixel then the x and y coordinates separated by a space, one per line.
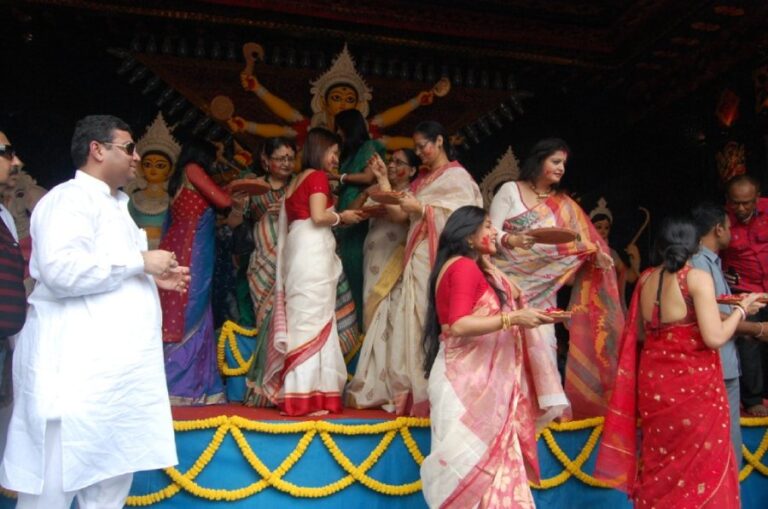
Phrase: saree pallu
pixel 383 266
pixel 352 238
pixel 686 458
pixel 305 371
pixel 483 392
pixel 190 343
pixel 262 267
pixel 262 263
pixel 597 316
pixel 441 191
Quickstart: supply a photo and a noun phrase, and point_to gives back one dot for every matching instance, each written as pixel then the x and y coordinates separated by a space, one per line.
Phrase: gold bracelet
pixel 506 321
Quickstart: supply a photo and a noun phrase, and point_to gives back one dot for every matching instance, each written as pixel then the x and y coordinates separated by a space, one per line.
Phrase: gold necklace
pixel 539 195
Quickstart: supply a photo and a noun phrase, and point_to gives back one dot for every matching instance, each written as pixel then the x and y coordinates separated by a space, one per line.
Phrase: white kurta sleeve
pixel 69 261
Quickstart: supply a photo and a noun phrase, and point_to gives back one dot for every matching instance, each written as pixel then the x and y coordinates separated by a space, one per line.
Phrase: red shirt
pixel 461 286
pixel 748 252
pixel 297 205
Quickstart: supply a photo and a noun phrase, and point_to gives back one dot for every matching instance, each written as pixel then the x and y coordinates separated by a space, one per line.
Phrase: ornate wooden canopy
pixel 644 53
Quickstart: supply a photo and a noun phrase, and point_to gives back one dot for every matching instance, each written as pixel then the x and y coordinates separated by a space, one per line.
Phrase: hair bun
pixel 674 257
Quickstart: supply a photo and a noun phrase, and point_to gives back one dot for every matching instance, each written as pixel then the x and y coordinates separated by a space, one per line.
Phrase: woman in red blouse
pixel 490 378
pixel 305 371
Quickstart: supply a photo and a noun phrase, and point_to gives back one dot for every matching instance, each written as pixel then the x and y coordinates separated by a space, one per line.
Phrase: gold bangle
pixel 506 321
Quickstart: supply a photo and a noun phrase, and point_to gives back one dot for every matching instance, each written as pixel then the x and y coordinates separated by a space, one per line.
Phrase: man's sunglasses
pixel 129 147
pixel 7 151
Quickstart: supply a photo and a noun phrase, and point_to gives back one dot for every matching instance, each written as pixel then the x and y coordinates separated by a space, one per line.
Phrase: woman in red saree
pixel 677 390
pixel 487 367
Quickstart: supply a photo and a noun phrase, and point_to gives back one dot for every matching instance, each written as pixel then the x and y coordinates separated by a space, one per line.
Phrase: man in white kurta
pixel 91 404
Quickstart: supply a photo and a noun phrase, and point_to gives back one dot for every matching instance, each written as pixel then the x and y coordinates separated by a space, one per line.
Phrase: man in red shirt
pixel 746 268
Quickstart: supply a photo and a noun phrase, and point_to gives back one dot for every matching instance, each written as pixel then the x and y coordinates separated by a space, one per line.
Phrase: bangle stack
pixel 506 321
pixel 741 310
pixel 338 218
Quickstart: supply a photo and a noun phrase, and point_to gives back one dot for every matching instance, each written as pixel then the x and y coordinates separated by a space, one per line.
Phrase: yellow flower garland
pixel 227 336
pixel 754 461
pixel 235 425
pixel 572 468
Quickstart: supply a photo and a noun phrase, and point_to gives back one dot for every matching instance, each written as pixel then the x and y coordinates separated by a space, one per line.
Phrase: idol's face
pixel 156 168
pixel 603 227
pixel 340 98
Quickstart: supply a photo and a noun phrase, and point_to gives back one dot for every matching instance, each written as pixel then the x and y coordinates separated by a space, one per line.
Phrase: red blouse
pixel 297 205
pixel 460 287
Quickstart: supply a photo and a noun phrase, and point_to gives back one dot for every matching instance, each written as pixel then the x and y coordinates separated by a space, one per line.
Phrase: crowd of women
pixel 455 309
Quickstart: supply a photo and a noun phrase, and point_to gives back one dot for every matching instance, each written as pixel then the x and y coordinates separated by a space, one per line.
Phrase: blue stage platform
pixel 236 457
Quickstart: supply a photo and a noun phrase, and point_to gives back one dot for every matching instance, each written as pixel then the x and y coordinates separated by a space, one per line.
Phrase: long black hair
pixel 196 150
pixel 355 132
pixel 453 242
pixel 676 242
pixel 532 166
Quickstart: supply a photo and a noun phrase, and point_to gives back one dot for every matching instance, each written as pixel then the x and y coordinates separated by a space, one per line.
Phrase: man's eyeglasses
pixel 284 159
pixel 128 147
pixel 7 151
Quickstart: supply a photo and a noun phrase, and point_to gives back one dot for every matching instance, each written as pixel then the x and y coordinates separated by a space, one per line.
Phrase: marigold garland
pixel 235 425
pixel 227 336
pixel 572 468
pixel 754 461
